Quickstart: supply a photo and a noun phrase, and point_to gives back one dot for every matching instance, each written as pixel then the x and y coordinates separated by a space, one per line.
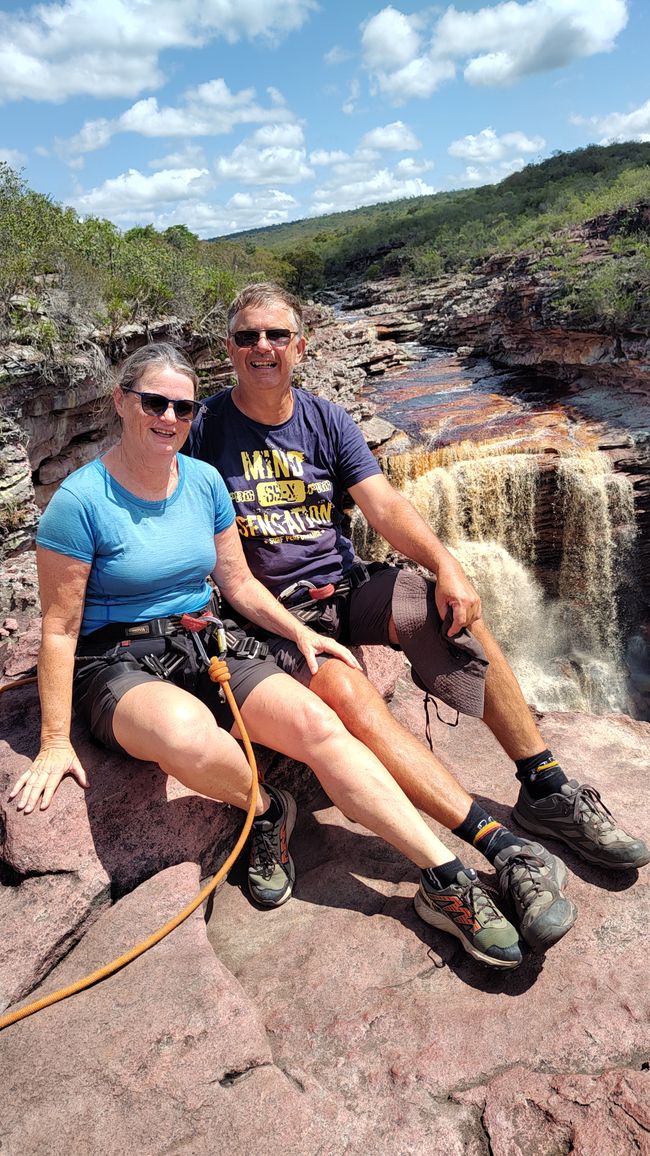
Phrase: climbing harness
pixel 309 609
pixel 218 672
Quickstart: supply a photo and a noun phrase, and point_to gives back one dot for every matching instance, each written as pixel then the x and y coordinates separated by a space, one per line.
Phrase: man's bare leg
pixel 422 777
pixel 506 711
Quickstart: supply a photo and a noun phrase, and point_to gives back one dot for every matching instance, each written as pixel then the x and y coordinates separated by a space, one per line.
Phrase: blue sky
pixel 231 114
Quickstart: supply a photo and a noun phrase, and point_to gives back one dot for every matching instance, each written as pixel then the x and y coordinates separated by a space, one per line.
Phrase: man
pixel 288 458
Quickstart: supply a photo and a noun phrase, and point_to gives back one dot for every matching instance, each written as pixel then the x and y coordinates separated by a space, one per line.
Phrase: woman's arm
pixel 253 600
pixel 62 584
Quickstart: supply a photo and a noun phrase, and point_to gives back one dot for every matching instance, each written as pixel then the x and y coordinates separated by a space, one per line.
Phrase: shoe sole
pixel 292 812
pixel 553 833
pixel 442 924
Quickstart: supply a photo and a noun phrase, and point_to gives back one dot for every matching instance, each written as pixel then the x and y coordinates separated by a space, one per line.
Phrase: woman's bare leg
pixel 161 723
pixel 283 715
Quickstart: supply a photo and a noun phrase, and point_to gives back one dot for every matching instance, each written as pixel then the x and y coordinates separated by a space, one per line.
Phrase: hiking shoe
pixel 534 880
pixel 465 910
pixel 271 873
pixel 578 817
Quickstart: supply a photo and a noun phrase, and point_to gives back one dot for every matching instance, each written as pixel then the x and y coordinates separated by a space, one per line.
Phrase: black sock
pixel 489 836
pixel 272 814
pixel 541 775
pixel 440 877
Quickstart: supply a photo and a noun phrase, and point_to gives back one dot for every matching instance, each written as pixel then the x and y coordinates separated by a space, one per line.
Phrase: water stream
pixel 537 516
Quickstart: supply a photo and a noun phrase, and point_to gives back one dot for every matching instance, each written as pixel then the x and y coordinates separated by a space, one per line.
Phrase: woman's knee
pixel 166 721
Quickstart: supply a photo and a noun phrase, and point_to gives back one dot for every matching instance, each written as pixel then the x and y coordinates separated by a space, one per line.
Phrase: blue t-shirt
pixel 287 484
pixel 148 559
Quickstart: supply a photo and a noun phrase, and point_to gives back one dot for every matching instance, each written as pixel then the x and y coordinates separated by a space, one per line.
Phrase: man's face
pixel 265 366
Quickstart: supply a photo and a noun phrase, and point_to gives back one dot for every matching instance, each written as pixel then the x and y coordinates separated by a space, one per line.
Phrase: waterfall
pixel 565 649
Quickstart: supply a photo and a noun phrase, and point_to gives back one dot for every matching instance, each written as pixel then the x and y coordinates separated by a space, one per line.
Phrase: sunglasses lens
pixel 153 404
pixel 247 338
pixel 185 409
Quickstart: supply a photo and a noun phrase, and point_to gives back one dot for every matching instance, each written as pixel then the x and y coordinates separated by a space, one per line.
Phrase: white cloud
pixel 337 55
pixel 323 157
pixel 211 109
pixel 498 45
pixel 273 155
pixel 391 136
pixel 132 194
pixel 349 106
pixel 383 185
pixel 242 211
pixel 192 156
pixel 13 158
pixel 409 167
pixel 56 50
pixel 486 147
pixel 618 126
pixel 389 40
pixel 490 174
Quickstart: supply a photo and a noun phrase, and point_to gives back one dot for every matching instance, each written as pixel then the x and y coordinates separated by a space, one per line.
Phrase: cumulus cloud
pixel 490 174
pixel 486 147
pixel 56 50
pixel 383 185
pixel 325 157
pixel 337 55
pixel 242 211
pixel 132 194
pixel 392 136
pixel 192 156
pixel 210 109
pixel 618 126
pixel 495 45
pixel 273 155
pixel 349 105
pixel 13 158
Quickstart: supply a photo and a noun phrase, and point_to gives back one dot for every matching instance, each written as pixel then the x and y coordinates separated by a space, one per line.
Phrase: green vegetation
pixel 111 278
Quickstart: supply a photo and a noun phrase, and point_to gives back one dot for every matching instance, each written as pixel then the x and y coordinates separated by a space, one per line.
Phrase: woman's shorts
pixel 104 674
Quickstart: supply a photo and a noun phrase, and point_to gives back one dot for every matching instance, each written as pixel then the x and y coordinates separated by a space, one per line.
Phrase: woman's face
pixel 157 438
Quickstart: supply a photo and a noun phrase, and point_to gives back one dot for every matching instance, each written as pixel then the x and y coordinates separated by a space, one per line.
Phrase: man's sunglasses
pixel 156 404
pixel 248 338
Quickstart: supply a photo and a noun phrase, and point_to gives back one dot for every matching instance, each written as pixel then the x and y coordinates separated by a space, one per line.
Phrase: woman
pixel 123 551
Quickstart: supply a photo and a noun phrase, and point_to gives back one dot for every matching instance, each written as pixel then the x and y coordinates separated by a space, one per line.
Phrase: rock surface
pixel 337 1023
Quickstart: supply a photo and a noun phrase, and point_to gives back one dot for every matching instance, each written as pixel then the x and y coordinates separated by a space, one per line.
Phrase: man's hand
pixel 311 644
pixel 43 777
pixel 453 589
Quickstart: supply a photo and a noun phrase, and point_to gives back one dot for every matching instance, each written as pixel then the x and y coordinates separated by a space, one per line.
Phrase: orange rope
pixel 18 682
pixel 218 672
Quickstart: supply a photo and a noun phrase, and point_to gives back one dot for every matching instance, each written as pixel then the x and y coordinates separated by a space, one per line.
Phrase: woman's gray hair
pixel 160 355
pixel 262 293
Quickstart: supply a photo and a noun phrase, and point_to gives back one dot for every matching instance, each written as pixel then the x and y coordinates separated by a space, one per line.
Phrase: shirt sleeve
pixel 355 462
pixel 224 511
pixel 66 527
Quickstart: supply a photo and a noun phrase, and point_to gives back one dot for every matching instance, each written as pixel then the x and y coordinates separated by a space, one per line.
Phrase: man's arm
pixel 393 516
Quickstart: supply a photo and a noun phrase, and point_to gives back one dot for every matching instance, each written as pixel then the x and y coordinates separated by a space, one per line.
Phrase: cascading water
pixel 565 650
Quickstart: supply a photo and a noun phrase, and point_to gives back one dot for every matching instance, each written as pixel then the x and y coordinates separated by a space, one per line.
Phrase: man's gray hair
pixel 262 293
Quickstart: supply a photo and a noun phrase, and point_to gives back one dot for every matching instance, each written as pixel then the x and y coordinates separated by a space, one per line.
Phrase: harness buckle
pixel 249 648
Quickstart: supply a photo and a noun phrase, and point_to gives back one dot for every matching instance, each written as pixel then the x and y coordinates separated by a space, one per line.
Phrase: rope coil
pixel 218 671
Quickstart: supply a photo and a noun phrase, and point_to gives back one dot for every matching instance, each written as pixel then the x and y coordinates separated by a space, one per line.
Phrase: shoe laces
pixel 589 807
pixel 530 883
pixel 262 856
pixel 479 903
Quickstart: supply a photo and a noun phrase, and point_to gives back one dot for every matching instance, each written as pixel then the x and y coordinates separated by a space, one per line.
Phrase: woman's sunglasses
pixel 156 404
pixel 248 338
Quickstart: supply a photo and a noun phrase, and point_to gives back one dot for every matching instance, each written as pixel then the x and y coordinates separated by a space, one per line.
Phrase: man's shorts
pixel 103 675
pixel 452 669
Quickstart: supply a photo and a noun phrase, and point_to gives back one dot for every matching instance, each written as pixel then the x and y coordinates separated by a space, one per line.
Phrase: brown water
pixel 487 443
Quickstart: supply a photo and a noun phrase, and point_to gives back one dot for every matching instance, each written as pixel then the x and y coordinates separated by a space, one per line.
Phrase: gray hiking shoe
pixel 578 816
pixel 465 910
pixel 534 880
pixel 271 873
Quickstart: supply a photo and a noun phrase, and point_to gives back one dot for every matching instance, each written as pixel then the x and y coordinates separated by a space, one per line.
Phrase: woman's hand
pixel 43 777
pixel 311 644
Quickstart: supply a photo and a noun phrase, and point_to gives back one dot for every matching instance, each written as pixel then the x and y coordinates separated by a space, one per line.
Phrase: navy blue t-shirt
pixel 287 484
